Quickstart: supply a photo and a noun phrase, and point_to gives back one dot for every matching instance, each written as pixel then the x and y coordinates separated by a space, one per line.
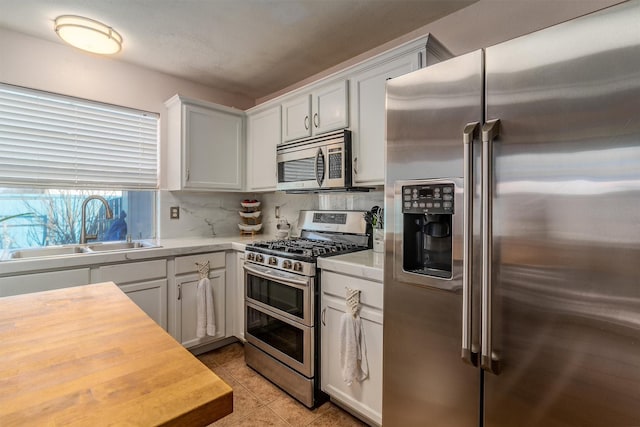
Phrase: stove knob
pixel 273 260
pixel 286 264
pixel 259 258
pixel 297 266
pixel 250 256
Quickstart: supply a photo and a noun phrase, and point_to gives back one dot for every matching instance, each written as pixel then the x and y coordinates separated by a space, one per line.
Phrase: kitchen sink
pixel 45 252
pixel 52 251
pixel 118 246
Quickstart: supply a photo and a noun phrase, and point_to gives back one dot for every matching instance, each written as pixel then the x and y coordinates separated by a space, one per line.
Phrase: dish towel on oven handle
pixel 353 348
pixel 205 315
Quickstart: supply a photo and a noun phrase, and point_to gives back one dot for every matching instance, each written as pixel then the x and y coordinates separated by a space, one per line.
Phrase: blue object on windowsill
pixel 118 229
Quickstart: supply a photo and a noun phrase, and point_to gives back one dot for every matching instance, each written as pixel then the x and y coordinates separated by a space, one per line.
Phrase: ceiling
pixel 249 47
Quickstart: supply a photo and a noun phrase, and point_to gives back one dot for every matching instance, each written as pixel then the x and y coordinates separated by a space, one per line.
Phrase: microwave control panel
pixel 428 198
pixel 335 163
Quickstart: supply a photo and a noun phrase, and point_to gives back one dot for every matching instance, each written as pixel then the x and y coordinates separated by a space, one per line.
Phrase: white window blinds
pixel 50 140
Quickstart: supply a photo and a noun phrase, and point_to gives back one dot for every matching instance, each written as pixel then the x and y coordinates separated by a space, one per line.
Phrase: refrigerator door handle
pixel 471 133
pixel 488 360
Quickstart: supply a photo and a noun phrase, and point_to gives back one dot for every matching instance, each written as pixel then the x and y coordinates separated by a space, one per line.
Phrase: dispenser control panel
pixel 428 198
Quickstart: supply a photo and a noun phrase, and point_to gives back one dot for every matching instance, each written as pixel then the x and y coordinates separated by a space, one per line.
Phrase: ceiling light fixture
pixel 88 34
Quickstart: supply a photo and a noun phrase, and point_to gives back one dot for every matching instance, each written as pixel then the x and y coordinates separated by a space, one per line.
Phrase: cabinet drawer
pixel 133 272
pixel 187 264
pixel 371 293
pixel 38 282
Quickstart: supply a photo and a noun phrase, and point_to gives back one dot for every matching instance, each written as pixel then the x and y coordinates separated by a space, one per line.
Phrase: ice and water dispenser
pixel 427 211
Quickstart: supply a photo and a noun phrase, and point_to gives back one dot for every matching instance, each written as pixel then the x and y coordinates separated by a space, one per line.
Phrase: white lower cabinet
pixel 144 282
pixel 238 306
pixel 37 282
pixel 183 298
pixel 364 398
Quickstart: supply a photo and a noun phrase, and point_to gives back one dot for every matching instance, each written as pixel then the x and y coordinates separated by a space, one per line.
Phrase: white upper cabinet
pixel 330 107
pixel 323 110
pixel 263 135
pixel 368 93
pixel 296 118
pixel 204 147
pixel 368 117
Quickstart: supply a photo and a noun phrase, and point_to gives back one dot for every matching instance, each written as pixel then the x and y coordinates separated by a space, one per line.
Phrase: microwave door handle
pixel 320 169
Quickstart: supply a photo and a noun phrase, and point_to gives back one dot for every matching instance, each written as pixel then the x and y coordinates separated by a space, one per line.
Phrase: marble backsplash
pixel 216 214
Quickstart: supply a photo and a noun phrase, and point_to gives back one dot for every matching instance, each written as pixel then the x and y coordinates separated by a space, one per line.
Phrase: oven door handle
pixel 258 271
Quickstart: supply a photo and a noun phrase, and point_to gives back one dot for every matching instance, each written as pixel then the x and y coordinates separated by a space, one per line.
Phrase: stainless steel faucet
pixel 83 232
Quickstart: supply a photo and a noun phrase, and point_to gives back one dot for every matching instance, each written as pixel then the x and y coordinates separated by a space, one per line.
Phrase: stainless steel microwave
pixel 320 163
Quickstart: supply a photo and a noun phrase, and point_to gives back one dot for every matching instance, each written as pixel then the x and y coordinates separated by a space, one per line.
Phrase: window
pixel 56 151
pixel 50 140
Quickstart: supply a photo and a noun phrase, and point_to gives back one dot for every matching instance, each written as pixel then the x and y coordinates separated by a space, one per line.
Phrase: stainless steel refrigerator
pixel 512 264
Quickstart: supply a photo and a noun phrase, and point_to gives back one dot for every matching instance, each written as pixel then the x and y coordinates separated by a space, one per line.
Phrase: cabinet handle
pixel 306 122
pixel 324 312
pixel 188 174
pixel 316 120
pixel 179 292
pixel 355 165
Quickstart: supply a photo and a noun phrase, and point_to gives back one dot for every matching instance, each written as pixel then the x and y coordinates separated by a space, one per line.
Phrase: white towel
pixel 353 349
pixel 205 315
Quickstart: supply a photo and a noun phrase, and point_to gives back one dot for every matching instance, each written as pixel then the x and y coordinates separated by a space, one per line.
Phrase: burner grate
pixel 306 247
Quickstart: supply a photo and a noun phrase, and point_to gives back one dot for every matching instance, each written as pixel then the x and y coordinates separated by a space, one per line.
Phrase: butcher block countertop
pixel 88 356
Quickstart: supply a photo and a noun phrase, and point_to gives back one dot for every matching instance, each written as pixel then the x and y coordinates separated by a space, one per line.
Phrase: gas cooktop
pixel 304 247
pixel 324 233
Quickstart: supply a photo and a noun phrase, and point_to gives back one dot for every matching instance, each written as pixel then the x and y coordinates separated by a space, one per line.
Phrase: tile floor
pixel 257 402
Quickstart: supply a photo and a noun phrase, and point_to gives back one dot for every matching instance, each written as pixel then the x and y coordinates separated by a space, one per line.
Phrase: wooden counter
pixel 88 356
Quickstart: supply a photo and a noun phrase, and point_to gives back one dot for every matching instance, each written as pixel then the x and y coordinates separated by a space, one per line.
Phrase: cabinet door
pixel 368 118
pixel 296 118
pixel 330 107
pixel 238 307
pixel 145 282
pixel 187 303
pixel 151 297
pixel 363 397
pixel 212 149
pixel 264 134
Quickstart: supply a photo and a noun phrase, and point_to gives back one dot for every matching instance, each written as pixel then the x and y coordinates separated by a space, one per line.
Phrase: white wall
pixel 54 67
pixel 202 214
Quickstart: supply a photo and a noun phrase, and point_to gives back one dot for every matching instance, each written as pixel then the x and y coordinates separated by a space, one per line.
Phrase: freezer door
pixel 566 224
pixel 425 380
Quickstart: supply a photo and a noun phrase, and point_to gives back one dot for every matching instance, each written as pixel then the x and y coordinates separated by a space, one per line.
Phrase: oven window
pixel 276 333
pixel 283 297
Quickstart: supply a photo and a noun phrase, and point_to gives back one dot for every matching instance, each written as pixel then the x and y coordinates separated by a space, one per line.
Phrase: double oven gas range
pixel 282 299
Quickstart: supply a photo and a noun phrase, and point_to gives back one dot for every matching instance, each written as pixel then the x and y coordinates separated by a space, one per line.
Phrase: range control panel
pixel 428 198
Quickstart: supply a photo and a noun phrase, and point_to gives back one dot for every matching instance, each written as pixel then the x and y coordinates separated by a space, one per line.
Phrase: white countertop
pixel 364 264
pixel 166 248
